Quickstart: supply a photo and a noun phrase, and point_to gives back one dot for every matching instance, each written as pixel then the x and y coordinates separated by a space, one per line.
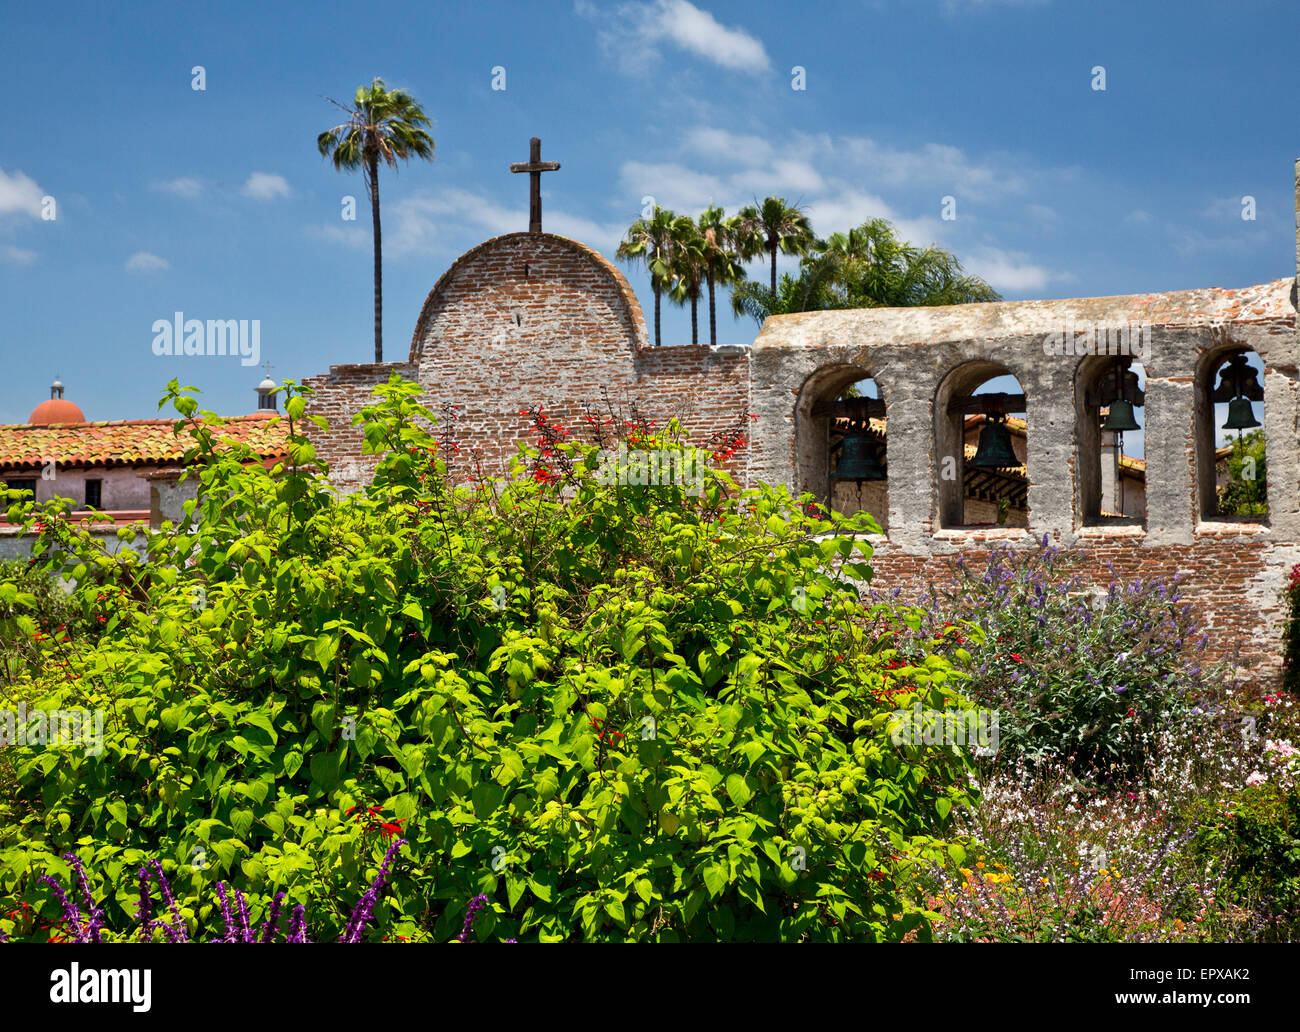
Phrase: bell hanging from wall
pixel 995 451
pixel 858 459
pixel 1240 415
pixel 1119 419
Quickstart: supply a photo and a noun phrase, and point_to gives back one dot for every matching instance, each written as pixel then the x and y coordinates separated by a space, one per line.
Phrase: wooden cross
pixel 535 166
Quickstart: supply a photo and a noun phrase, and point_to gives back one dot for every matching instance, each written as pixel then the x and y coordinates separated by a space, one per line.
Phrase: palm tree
pixel 811 292
pixel 688 265
pixel 650 242
pixel 383 125
pixel 881 271
pixel 869 267
pixel 721 258
pixel 774 226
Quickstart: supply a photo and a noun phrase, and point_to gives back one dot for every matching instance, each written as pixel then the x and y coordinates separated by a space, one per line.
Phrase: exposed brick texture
pixel 1234 582
pixel 534 319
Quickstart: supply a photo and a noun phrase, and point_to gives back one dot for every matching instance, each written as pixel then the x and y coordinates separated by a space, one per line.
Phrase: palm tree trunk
pixel 379 258
pixel 772 247
pixel 657 307
pixel 695 320
pixel 713 315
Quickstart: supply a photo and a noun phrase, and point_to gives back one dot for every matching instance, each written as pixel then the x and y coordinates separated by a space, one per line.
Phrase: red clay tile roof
pixel 125 442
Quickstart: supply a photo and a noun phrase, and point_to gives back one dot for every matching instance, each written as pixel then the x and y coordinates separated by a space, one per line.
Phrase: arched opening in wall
pixel 1111 472
pixel 1231 472
pixel 840 448
pixel 980 448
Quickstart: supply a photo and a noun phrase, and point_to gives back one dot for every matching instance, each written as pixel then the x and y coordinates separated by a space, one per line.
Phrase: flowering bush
pixel 1065 860
pixel 616 713
pixel 1291 634
pixel 1088 679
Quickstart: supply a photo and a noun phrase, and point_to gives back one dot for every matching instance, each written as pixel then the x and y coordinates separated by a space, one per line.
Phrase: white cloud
pixel 266 186
pixel 675 186
pixel 19 195
pixel 850 207
pixel 1188 242
pixel 953 6
pixel 349 236
pixel 633 34
pixel 186 186
pixel 840 181
pixel 945 167
pixel 843 181
pixel 1226 209
pixel 821 171
pixel 603 236
pixel 1007 270
pixel 710 142
pixel 143 261
pixel 18 255
pixel 454 220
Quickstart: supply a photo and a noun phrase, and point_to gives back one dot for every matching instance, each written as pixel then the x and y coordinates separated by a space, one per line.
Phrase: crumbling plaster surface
pixel 910 351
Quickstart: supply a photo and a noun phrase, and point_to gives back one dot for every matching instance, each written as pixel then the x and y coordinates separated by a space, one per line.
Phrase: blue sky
pixel 215 202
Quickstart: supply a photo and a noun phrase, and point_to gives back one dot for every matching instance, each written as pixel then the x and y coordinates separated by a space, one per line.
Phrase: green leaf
pixel 486 796
pixel 739 791
pixel 715 878
pixel 241 821
pixel 327 645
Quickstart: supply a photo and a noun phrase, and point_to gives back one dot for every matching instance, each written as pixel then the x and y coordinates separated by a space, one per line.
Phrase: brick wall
pixel 1233 582
pixel 337 395
pixel 535 319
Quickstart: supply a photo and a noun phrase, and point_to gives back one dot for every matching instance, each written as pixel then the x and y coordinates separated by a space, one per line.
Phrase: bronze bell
pixel 858 459
pixel 1120 419
pixel 1240 415
pixel 994 451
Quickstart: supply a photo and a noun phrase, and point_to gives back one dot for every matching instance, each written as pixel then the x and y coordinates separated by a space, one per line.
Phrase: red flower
pixel 393 827
pixel 1015 656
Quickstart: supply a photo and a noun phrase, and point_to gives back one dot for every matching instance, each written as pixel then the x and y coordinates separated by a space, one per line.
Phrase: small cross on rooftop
pixel 535 166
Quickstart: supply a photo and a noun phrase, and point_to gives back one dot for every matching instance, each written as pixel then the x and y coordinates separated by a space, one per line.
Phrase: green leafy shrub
pixel 1291 633
pixel 1257 830
pixel 53 611
pixel 619 712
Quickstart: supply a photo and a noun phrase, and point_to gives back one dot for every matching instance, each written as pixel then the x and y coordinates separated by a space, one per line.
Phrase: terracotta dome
pixel 56 410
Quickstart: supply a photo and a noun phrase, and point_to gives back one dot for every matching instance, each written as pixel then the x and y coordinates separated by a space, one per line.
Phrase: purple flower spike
pixel 71 915
pixel 89 931
pixel 366 905
pixel 273 919
pixel 297 931
pixel 475 905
